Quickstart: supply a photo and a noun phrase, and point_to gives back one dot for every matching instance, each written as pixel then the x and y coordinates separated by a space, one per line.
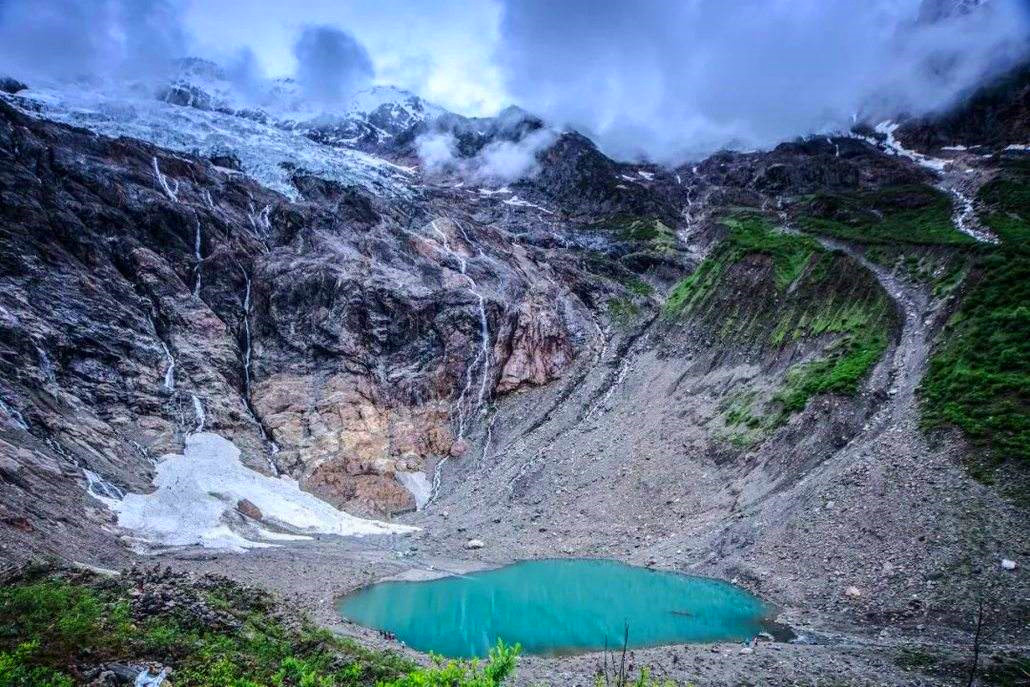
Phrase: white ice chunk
pixel 195 492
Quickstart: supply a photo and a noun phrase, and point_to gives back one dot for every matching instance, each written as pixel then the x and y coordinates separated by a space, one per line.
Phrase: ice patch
pixel 894 145
pixel 261 146
pixel 518 202
pixel 196 494
pixel 418 485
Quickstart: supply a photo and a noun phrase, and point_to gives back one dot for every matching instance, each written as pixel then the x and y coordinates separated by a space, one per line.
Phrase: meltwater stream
pixel 557 606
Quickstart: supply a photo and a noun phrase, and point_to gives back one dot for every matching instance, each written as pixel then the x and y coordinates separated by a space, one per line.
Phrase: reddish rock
pixel 248 509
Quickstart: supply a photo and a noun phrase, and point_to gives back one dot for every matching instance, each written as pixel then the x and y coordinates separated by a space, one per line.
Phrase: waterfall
pixel 965 214
pixel 16 417
pixel 169 383
pixel 260 221
pixel 482 359
pixel 199 260
pixel 480 364
pixel 273 447
pixel 198 412
pixel 246 333
pixel 173 194
pixel 100 488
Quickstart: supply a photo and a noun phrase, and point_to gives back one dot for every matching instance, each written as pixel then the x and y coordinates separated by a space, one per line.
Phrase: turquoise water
pixel 556 607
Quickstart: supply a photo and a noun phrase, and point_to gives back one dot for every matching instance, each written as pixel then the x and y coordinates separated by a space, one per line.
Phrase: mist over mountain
pixel 671 81
pixel 718 74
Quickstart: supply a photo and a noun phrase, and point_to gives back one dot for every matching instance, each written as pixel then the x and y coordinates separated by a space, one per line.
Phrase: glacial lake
pixel 554 607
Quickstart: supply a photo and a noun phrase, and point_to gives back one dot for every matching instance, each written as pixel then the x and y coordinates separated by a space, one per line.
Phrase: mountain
pixel 232 322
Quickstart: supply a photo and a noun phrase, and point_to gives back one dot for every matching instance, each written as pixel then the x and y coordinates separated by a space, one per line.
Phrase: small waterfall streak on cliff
pixel 260 221
pixel 13 413
pixel 836 146
pixel 481 362
pixel 199 259
pixel 173 194
pixel 198 413
pixel 273 447
pixel 169 383
pixel 246 333
pixel 100 488
pixel 434 490
pixel 964 215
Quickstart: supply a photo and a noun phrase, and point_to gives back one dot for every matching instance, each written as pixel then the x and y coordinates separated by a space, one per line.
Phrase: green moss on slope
pixel 896 214
pixel 748 233
pixel 1006 200
pixel 815 295
pixel 979 377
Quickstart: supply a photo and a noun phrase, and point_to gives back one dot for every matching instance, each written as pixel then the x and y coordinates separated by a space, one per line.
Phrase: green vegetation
pixel 979 378
pixel 815 298
pixel 651 231
pixel 897 214
pixel 847 363
pixel 1007 200
pixel 622 311
pixel 51 627
pixel 493 673
pixel 749 233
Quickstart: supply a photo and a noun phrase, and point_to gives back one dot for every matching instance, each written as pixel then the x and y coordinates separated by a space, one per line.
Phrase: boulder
pixel 248 509
pixel 474 544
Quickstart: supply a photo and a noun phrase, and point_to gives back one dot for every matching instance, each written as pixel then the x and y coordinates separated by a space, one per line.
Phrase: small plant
pixel 618 674
pixel 493 673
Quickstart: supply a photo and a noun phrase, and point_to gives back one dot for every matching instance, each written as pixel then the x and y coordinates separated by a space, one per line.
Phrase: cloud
pixel 673 80
pixel 75 38
pixel 331 64
pixel 498 162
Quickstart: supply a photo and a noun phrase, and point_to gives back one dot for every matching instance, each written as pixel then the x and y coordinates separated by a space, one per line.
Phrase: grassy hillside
pixel 774 291
pixel 63 629
pixel 898 214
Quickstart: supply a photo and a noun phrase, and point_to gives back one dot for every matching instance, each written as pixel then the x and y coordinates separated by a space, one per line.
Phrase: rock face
pixel 341 338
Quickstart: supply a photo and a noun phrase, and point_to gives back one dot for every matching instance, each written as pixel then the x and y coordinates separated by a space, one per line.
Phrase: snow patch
pixel 196 494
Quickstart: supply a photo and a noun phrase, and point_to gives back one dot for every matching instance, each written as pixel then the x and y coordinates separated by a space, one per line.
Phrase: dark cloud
pixel 331 64
pixel 673 80
pixel 73 38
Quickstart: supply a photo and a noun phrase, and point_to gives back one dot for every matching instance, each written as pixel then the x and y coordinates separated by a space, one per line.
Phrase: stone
pixel 474 544
pixel 1008 564
pixel 248 509
pixel 853 592
pixel 459 448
